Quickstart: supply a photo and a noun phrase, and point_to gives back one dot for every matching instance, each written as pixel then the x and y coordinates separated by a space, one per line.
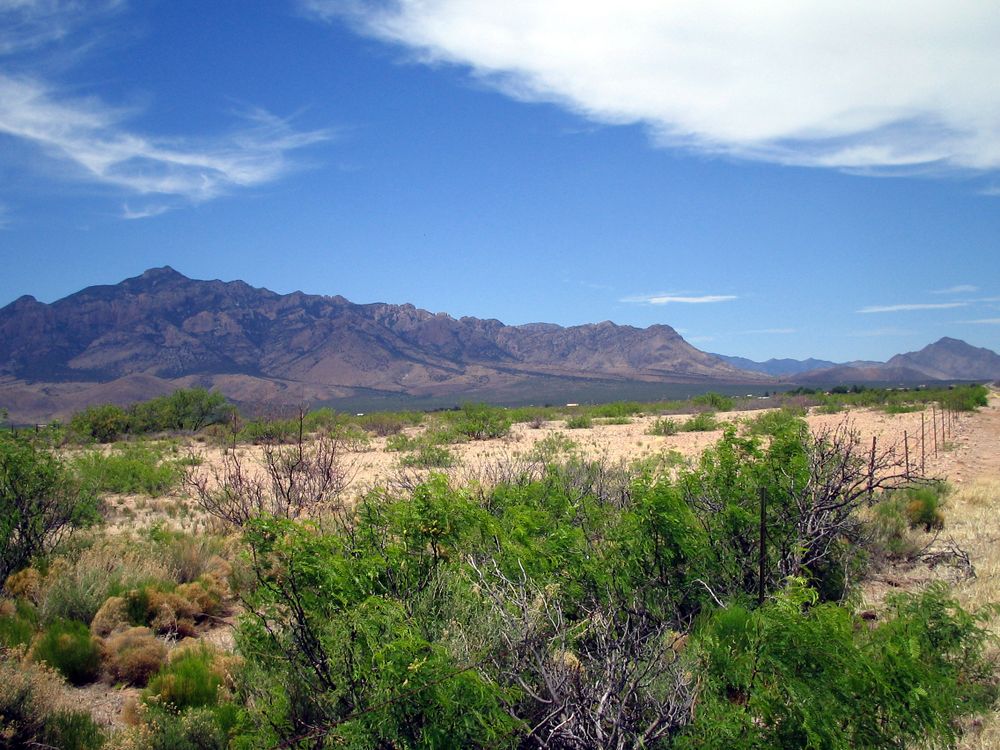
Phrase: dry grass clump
pixel 113 615
pixel 134 655
pixel 972 525
pixel 76 589
pixel 25 584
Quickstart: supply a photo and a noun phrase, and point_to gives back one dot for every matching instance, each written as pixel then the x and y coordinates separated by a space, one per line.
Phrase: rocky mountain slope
pixel 161 330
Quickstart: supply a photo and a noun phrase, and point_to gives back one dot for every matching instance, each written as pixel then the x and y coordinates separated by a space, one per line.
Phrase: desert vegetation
pixel 498 585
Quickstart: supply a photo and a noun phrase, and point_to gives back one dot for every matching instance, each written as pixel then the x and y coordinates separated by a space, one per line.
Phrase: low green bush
pixel 715 401
pixel 663 427
pixel 68 647
pixel 797 674
pixel 129 468
pixel 429 457
pixel 400 442
pixel 579 422
pixel 481 421
pixel 889 529
pixel 18 621
pixel 774 421
pixel 191 679
pixel 923 506
pixel 702 422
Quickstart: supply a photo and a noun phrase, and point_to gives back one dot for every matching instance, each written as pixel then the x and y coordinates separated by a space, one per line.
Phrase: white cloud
pixel 958 289
pixel 153 209
pixel 89 136
pixel 915 306
pixel 667 299
pixel 985 321
pixel 29 24
pixel 853 85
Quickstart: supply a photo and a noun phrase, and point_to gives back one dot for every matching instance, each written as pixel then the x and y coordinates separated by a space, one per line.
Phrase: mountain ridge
pixel 256 344
pixel 161 330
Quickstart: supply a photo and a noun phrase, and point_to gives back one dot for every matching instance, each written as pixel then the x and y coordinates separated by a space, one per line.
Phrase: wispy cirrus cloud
pixel 145 212
pixel 90 139
pixel 957 289
pixel 786 82
pixel 984 322
pixel 911 307
pixel 681 299
pixel 27 25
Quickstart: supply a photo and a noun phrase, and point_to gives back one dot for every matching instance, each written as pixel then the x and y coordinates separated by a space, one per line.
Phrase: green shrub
pixel 579 422
pixel 76 589
pixel 616 420
pixel 482 422
pixel 889 528
pixel 18 621
pixel 400 442
pixel 39 501
pixel 72 730
pixel 715 401
pixel 429 457
pixel 68 647
pixel 923 506
pixel 617 410
pixel 103 424
pixel 663 427
pixel 773 422
pixel 191 679
pixel 902 408
pixel 130 468
pixel 703 422
pixel 794 674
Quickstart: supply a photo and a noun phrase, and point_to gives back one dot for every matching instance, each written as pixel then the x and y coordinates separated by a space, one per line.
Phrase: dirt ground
pixel 371 465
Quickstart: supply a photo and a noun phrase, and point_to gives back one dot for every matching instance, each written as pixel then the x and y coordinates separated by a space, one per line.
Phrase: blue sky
pixel 790 179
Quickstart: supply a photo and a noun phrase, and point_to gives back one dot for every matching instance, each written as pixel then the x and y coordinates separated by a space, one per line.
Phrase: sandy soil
pixel 372 465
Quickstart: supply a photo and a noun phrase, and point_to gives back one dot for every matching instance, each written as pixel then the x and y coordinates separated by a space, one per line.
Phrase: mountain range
pixel 161 330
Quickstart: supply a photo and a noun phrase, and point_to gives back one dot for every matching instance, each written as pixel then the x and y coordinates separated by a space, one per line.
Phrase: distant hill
pixel 778 367
pixel 948 359
pixel 945 359
pixel 162 330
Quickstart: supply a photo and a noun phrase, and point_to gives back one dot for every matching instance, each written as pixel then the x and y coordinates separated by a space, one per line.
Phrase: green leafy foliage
pixel 798 674
pixel 128 468
pixel 429 457
pixel 701 422
pixel 187 409
pixel 39 502
pixel 579 422
pixel 481 421
pixel 190 680
pixel 923 506
pixel 68 647
pixel 18 621
pixel 663 427
pixel 714 401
